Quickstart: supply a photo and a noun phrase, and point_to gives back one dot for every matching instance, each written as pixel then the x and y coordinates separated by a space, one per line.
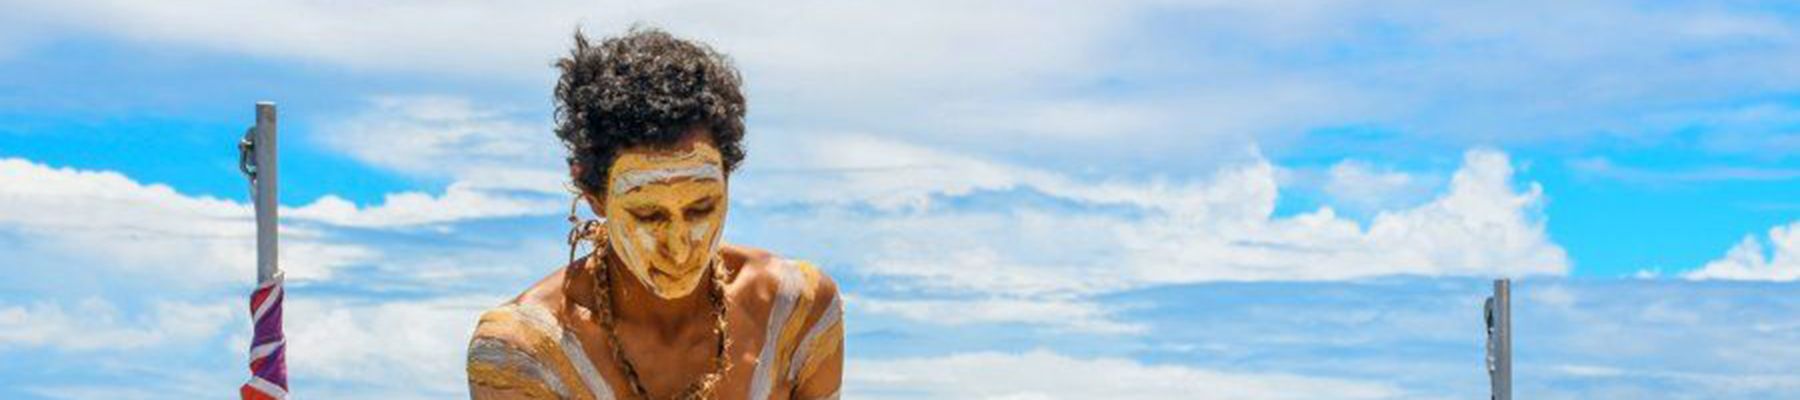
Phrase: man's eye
pixel 649 215
pixel 700 210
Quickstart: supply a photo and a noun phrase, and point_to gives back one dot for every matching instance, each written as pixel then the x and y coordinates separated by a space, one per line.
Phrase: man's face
pixel 664 211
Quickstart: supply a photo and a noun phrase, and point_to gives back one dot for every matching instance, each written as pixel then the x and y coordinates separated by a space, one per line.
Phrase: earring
pixel 574 227
pixel 579 229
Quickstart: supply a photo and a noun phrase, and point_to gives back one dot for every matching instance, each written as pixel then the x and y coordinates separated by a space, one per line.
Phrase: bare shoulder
pixel 802 312
pixel 777 290
pixel 753 279
pixel 510 352
pixel 760 276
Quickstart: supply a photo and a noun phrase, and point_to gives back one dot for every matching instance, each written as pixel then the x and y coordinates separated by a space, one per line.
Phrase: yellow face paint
pixel 664 213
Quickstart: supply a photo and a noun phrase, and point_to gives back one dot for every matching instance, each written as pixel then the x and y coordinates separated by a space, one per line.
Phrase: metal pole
pixel 268 346
pixel 266 197
pixel 1499 322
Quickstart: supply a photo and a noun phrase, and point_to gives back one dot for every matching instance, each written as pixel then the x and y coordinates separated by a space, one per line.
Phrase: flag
pixel 268 349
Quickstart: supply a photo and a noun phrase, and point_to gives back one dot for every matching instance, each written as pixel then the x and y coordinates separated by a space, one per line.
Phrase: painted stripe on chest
pixel 764 379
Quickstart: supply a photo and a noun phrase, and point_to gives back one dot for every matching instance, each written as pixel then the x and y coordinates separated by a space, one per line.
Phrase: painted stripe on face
pixel 656 218
pixel 631 180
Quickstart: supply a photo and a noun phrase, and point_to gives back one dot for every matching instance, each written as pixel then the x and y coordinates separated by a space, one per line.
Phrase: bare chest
pixel 666 365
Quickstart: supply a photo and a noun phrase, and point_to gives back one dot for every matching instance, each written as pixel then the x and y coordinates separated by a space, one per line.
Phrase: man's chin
pixel 671 273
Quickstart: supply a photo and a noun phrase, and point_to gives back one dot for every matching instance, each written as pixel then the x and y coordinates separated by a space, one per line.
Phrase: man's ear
pixel 597 204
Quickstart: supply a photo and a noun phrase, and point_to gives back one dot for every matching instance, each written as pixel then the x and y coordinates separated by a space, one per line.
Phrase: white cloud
pixel 890 174
pixel 1554 296
pixel 161 246
pixel 1360 187
pixel 1743 385
pixel 1762 129
pixel 388 36
pixel 405 348
pixel 1222 228
pixel 1481 226
pixel 394 348
pixel 994 45
pixel 1748 260
pixel 865 169
pixel 1077 316
pixel 1603 168
pixel 1672 339
pixel 445 136
pixel 1041 374
pixel 460 201
pixel 181 247
pixel 1053 240
pixel 62 216
pixel 94 324
pixel 498 165
pixel 104 219
pixel 1074 77
pixel 140 380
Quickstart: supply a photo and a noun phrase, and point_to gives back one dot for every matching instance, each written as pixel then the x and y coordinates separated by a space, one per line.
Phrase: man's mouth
pixel 665 273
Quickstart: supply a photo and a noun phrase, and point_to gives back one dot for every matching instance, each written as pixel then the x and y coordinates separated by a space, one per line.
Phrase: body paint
pixel 664 212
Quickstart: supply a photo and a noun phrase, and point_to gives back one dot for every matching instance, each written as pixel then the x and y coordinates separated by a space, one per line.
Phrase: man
pixel 661 309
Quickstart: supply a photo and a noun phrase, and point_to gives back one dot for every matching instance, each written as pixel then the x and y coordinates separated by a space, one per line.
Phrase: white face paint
pixel 664 210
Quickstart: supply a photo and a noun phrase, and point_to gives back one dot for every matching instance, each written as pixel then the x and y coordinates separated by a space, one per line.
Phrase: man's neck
pixel 635 304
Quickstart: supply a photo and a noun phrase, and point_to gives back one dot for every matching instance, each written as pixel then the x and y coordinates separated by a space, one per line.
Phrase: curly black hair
pixel 646 87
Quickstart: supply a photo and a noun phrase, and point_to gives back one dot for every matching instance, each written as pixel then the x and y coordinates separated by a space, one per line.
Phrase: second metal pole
pixel 1499 322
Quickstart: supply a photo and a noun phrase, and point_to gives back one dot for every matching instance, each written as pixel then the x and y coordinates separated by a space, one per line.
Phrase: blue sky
pixel 1242 200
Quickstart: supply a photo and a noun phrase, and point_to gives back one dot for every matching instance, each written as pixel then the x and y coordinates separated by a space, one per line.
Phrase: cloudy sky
pixel 1158 199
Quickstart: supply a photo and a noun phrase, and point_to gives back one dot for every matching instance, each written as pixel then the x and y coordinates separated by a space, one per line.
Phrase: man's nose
pixel 680 245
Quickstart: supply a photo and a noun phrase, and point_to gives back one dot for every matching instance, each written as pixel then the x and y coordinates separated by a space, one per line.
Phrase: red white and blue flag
pixel 268 350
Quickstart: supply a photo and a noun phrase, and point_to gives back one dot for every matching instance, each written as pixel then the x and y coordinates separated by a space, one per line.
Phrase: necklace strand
pixel 700 389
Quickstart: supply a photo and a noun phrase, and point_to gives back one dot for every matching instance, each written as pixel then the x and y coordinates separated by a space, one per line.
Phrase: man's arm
pixel 820 356
pixel 825 380
pixel 499 365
